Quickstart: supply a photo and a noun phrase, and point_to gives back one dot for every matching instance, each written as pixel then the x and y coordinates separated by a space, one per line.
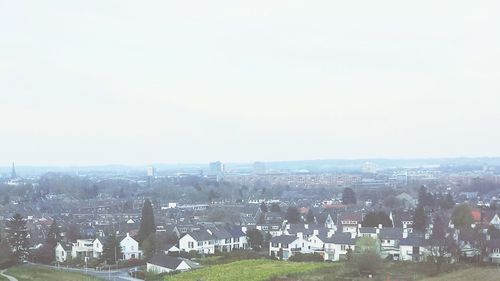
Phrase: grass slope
pixel 36 273
pixel 477 273
pixel 248 270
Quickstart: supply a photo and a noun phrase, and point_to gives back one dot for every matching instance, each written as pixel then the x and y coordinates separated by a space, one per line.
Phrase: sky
pixel 139 82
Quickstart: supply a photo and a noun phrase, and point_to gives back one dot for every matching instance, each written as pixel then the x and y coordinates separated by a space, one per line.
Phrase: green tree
pixel 462 216
pixel 263 207
pixel 419 219
pixel 111 251
pixel 255 239
pixel 147 221
pixel 367 254
pixel 18 237
pixel 447 202
pixel 149 246
pixel 348 196
pixel 275 207
pixel 53 235
pixel 5 252
pixel 292 215
pixel 373 219
pixel 310 216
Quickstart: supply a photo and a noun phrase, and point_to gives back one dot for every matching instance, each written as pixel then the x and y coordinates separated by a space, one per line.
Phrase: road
pixel 116 275
pixel 8 276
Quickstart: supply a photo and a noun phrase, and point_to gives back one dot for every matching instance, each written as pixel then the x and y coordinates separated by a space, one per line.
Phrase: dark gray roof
pixel 493 244
pixel 391 233
pixel 341 239
pixel 201 235
pixel 368 230
pixel 284 239
pixel 413 241
pixel 235 231
pixel 165 261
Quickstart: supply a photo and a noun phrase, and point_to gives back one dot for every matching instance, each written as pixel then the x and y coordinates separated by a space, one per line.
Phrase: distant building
pixel 259 168
pixel 369 168
pixel 216 168
pixel 13 174
pixel 151 171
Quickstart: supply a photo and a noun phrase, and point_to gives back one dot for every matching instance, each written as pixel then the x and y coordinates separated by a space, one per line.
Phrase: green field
pixel 249 270
pixel 476 273
pixel 36 273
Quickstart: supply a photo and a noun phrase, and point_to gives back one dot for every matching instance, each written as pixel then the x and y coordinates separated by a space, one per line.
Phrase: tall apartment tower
pixel 13 174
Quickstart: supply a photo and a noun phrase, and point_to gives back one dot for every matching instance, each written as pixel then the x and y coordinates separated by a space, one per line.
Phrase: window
pixel 228 240
pixel 285 246
pixel 237 239
pixel 200 244
pixel 190 245
pixel 275 245
pixel 342 247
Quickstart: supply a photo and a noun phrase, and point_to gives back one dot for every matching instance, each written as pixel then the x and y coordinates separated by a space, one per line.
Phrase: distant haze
pixel 137 82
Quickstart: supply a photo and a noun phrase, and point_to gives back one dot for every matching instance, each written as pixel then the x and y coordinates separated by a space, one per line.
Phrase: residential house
pixel 200 241
pixel 413 249
pixel 493 250
pixel 130 248
pixel 83 248
pixel 98 246
pixel 162 263
pixel 63 252
pixel 337 246
pixel 389 241
pixel 285 246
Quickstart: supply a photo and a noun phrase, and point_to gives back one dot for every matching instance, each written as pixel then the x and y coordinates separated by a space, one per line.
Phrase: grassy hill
pixel 476 273
pixel 36 273
pixel 249 270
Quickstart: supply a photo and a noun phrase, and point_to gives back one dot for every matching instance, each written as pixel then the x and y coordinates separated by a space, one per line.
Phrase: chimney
pixel 405 233
pixel 306 226
pixel 300 235
pixel 379 226
pixel 315 232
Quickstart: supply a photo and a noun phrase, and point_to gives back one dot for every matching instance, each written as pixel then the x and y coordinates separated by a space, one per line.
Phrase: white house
pixel 495 221
pixel 389 241
pixel 63 252
pixel 412 249
pixel 199 240
pixel 162 263
pixel 493 250
pixel 82 248
pixel 97 247
pixel 210 240
pixel 285 246
pixel 337 246
pixel 130 248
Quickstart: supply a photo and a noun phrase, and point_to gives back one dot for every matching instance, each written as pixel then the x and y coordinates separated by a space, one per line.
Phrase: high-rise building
pixel 216 168
pixel 13 174
pixel 151 171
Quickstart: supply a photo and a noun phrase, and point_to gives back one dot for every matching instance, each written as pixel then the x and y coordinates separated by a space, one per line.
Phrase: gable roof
pixel 391 233
pixel 284 239
pixel 166 261
pixel 341 239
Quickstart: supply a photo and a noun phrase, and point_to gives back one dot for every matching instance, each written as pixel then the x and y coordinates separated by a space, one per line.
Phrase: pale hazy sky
pixel 138 82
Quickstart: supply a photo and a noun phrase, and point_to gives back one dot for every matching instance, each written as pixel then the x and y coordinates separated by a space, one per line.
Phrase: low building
pixel 63 252
pixel 162 263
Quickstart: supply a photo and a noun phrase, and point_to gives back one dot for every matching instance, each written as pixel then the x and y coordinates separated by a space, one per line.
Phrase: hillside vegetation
pixel 476 273
pixel 249 270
